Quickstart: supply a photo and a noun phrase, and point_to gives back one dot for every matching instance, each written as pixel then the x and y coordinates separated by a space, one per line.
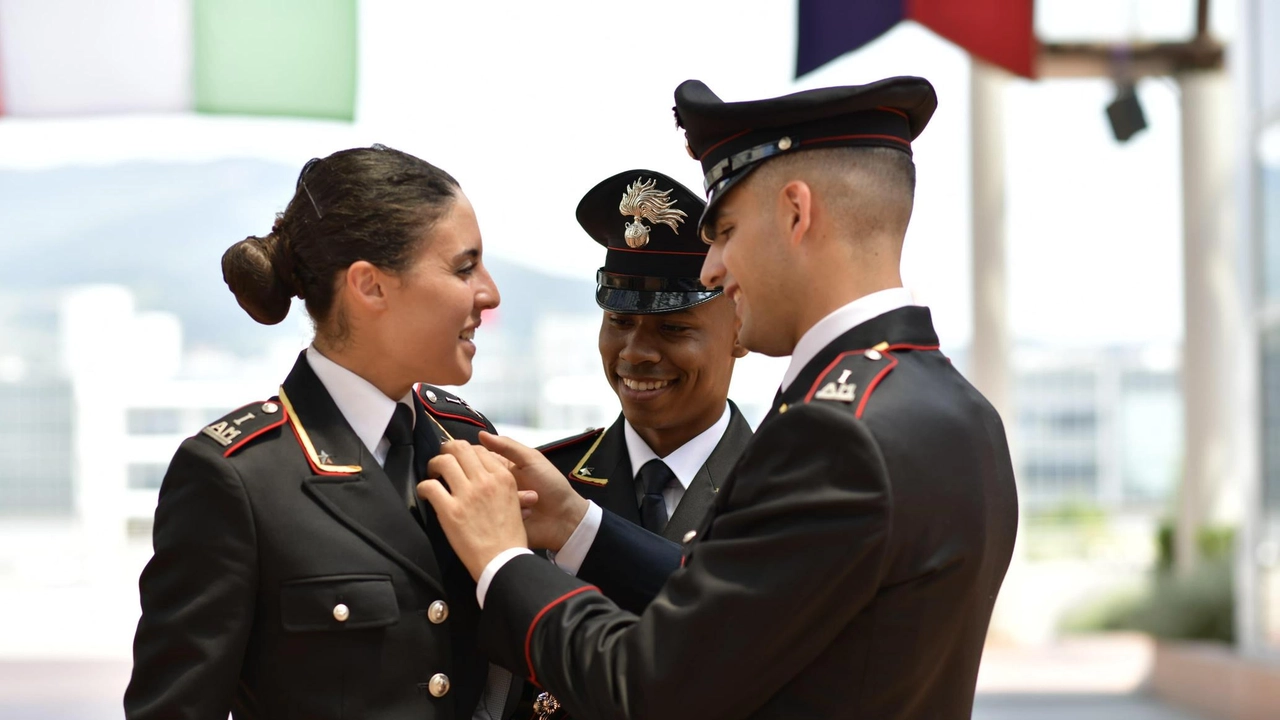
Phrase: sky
pixel 529 108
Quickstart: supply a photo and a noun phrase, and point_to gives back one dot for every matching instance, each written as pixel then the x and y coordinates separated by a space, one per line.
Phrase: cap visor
pixel 636 302
pixel 708 214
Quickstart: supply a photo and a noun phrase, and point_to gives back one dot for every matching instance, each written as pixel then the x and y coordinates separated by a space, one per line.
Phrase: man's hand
pixel 558 510
pixel 480 512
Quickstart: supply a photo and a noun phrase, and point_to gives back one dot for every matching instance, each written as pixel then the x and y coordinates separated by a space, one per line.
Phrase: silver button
pixel 438 686
pixel 269 407
pixel 431 396
pixel 689 536
pixel 873 354
pixel 437 612
pixel 784 143
pixel 341 612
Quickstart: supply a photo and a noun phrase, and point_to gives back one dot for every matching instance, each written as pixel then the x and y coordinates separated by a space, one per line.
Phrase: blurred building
pixel 1098 427
pixel 1258 79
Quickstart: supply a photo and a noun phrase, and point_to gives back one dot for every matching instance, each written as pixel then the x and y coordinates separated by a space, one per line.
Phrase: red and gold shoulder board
pixel 235 429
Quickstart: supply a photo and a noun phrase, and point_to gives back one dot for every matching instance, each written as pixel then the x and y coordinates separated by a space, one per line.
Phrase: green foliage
pixel 1072 514
pixel 1199 606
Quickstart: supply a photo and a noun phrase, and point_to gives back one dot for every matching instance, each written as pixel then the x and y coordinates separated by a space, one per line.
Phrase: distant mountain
pixel 161 230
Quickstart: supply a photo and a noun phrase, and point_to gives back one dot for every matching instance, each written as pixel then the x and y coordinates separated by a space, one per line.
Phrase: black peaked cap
pixel 649 223
pixel 732 139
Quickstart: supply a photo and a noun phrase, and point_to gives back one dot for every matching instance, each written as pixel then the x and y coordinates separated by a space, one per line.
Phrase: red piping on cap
pixel 713 147
pixel 833 138
pixel 655 252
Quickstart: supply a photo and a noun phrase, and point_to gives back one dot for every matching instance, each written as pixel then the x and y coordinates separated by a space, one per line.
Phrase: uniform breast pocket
pixel 338 602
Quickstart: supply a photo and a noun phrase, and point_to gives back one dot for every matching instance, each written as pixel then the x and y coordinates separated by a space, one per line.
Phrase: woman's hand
pixel 480 512
pixel 558 509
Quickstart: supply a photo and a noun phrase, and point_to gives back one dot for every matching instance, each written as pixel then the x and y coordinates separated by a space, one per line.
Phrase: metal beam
pixel 1132 61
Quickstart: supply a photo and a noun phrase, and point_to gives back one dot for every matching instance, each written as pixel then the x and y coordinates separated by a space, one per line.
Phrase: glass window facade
pixel 35 432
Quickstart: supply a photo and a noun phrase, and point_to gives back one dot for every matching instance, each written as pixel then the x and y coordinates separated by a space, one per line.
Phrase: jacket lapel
pixel 711 476
pixel 349 483
pixel 610 461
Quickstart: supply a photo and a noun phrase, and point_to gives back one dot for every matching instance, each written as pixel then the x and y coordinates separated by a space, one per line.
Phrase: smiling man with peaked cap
pixel 850 562
pixel 668 346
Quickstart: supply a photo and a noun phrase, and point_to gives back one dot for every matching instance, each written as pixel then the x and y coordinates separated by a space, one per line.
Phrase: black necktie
pixel 654 477
pixel 400 456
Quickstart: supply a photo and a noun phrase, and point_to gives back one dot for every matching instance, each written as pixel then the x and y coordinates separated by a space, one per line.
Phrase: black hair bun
pixel 248 268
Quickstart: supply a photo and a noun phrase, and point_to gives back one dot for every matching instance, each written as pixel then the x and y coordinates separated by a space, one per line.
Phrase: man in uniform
pixel 850 562
pixel 668 346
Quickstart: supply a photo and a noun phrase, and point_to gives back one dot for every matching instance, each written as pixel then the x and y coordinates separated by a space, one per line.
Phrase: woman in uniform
pixel 295 575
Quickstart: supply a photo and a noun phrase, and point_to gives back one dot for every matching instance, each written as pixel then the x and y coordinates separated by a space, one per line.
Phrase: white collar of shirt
pixel 842 320
pixel 366 408
pixel 686 460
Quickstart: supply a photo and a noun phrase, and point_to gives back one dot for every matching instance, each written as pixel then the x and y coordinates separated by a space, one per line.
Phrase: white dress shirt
pixel 368 411
pixel 839 322
pixel 685 462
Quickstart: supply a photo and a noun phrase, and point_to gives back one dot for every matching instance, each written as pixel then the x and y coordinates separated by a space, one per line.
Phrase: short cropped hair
pixel 868 190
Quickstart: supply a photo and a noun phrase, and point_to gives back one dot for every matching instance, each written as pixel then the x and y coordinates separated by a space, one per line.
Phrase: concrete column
pixel 990 357
pixel 1214 311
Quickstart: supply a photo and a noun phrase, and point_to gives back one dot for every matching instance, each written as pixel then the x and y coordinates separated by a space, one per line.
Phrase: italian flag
pixel 244 57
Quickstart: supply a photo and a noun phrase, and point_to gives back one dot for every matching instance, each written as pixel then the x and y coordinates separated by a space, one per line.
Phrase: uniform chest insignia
pixel 325 457
pixel 584 471
pixel 236 428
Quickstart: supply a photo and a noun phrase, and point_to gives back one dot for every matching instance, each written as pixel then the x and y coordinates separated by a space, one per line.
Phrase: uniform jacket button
pixel 438 611
pixel 438 685
pixel 689 536
pixel 341 612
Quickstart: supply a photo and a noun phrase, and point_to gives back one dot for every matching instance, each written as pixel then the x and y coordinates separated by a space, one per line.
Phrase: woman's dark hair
pixel 370 204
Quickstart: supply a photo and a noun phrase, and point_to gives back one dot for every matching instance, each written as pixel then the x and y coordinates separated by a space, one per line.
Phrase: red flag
pixel 1002 32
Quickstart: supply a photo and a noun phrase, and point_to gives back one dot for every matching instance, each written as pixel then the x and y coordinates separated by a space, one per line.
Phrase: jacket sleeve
pixel 197 592
pixel 628 563
pixel 793 554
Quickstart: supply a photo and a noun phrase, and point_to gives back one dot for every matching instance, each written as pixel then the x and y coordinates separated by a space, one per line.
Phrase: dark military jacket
pixel 626 560
pixel 847 568
pixel 291 581
pixel 598 464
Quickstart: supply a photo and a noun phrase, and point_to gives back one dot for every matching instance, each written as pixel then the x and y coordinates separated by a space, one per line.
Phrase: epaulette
pixel 563 443
pixel 235 429
pixel 444 405
pixel 854 375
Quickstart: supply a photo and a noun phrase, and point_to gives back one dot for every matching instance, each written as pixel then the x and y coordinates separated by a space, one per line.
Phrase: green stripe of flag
pixel 276 57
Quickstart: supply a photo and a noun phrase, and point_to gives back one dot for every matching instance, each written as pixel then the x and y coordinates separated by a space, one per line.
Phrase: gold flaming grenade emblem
pixel 644 201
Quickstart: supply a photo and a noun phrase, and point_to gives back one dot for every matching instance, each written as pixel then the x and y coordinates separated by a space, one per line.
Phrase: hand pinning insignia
pixel 644 201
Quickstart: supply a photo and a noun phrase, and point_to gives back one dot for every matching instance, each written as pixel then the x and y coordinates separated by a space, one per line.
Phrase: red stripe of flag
pixel 1001 32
